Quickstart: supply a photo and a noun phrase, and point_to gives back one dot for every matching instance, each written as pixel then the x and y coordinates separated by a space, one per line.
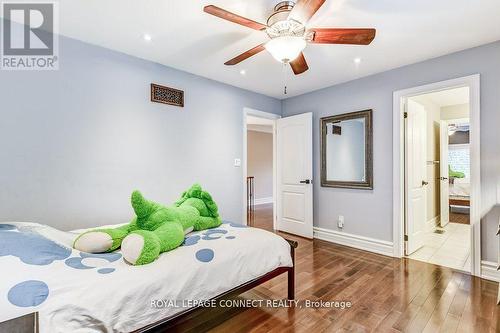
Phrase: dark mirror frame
pixel 368 116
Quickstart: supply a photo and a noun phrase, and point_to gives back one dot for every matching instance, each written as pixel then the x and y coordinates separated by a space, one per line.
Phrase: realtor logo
pixel 29 36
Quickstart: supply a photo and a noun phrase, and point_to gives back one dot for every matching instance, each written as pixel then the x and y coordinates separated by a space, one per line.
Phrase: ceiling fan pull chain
pixel 283 74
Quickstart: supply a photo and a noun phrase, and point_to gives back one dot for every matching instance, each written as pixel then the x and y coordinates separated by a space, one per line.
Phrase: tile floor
pixel 450 249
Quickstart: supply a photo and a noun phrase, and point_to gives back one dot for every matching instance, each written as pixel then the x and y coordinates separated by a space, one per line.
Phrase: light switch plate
pixel 237 162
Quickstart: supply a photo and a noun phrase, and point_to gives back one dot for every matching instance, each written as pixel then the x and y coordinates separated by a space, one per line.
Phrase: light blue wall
pixel 74 143
pixel 369 213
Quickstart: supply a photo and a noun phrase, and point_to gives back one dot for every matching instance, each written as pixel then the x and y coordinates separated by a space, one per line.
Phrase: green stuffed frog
pixel 156 228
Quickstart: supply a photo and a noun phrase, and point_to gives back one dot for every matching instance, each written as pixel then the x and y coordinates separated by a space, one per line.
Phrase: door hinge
pixel 406 238
pixel 405 115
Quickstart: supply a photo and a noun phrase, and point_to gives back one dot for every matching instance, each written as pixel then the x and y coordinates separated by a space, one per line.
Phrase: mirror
pixel 346 150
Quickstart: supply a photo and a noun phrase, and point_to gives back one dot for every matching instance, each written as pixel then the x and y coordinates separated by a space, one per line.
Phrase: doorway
pixel 405 180
pixel 259 168
pixel 260 179
pixel 437 178
pixel 292 159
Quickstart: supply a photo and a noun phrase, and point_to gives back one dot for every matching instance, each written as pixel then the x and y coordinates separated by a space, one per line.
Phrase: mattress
pixel 80 292
pixel 460 189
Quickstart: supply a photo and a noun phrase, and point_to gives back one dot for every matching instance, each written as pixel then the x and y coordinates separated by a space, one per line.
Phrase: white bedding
pixel 460 188
pixel 87 295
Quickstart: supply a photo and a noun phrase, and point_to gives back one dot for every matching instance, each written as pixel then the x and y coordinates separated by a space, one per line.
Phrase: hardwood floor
pixel 262 217
pixel 459 218
pixel 388 295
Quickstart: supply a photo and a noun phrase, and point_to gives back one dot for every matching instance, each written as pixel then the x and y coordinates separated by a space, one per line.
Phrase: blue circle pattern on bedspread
pixel 76 262
pixel 191 240
pixel 7 227
pixel 213 234
pixel 28 293
pixel 209 235
pixel 30 247
pixel 105 270
pixel 35 249
pixel 205 254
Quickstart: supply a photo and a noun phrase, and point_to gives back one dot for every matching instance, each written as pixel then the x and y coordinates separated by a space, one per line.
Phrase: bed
pixel 459 194
pixel 81 292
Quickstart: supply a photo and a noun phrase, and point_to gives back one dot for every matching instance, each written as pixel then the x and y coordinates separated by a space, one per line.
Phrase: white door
pixel 443 172
pixel 416 176
pixel 294 204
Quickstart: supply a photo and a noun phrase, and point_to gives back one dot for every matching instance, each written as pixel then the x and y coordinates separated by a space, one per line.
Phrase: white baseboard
pixel 489 271
pixel 262 201
pixel 358 242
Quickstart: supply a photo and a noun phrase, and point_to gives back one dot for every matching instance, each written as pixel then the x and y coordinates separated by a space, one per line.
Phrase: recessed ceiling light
pixel 147 37
pixel 243 72
pixel 357 60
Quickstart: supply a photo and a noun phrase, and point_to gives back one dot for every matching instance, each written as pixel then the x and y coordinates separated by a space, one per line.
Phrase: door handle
pixel 443 178
pixel 424 183
pixel 307 181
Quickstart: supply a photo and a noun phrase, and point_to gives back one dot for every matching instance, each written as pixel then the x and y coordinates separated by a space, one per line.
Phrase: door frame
pixel 399 99
pixel 244 167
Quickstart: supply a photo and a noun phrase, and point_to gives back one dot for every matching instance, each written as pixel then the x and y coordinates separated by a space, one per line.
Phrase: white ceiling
pixel 446 97
pixel 186 38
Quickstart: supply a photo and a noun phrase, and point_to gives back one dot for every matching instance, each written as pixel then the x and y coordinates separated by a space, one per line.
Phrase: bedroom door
pixel 443 174
pixel 416 176
pixel 294 202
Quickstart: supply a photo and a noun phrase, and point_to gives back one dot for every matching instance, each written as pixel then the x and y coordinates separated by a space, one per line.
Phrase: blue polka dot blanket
pixel 75 291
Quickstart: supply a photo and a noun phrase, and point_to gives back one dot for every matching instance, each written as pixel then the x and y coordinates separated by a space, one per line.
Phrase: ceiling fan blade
pixel 245 55
pixel 305 9
pixel 342 36
pixel 225 15
pixel 299 65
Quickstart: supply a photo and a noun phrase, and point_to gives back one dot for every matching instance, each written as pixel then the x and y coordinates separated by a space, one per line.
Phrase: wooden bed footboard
pixel 291 270
pixel 195 315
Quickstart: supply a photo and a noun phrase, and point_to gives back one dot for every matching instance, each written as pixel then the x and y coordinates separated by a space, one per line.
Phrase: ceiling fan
pixel 286 28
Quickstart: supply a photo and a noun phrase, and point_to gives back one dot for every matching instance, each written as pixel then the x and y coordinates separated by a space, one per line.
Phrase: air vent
pixel 167 95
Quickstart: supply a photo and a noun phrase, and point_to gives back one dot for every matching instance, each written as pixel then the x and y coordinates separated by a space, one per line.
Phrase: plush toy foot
pixel 141 247
pixel 94 242
pixel 99 241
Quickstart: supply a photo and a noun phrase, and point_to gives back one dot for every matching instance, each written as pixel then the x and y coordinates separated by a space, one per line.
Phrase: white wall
pixel 260 162
pixel 458 111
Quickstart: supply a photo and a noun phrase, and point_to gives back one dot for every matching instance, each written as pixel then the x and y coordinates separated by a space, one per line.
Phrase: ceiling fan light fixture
pixel 286 28
pixel 285 48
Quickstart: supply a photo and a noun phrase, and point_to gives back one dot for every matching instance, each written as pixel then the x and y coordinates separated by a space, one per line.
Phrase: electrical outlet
pixel 237 162
pixel 340 221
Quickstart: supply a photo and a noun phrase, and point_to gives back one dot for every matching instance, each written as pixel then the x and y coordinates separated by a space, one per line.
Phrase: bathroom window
pixel 459 158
